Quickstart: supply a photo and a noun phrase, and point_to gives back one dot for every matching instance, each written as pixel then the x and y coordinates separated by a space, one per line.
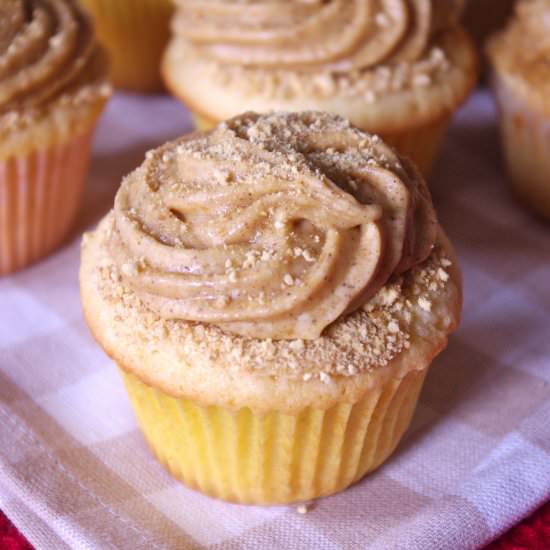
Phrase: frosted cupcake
pixel 135 33
pixel 520 56
pixel 52 90
pixel 398 69
pixel 273 292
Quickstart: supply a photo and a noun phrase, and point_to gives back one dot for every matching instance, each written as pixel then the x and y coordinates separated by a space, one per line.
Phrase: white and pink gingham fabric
pixel 76 473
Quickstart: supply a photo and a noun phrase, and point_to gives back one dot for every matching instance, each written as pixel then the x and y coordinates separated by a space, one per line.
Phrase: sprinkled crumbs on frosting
pixel 370 84
pixel 270 226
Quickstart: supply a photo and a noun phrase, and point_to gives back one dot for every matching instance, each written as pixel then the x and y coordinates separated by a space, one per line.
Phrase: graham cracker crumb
pixel 425 304
pixel 288 279
pixel 442 274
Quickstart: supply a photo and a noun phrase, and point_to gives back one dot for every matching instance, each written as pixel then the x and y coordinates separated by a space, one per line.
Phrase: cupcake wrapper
pixel 274 458
pixel 39 198
pixel 420 144
pixel 525 136
pixel 201 122
pixel 135 33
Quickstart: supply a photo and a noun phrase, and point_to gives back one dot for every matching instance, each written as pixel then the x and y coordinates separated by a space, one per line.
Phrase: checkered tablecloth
pixel 75 471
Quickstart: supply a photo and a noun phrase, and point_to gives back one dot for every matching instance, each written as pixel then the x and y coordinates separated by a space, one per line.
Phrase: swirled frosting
pixel 47 49
pixel 269 226
pixel 333 35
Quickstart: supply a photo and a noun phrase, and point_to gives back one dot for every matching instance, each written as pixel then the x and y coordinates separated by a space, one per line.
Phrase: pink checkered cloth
pixel 75 471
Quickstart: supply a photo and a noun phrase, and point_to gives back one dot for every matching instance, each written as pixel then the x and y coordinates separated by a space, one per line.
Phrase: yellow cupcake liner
pixel 525 137
pixel 274 458
pixel 420 144
pixel 201 122
pixel 40 195
pixel 135 33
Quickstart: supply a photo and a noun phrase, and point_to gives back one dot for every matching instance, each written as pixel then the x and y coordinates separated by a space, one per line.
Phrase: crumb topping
pixel 360 342
pixel 270 226
pixel 370 84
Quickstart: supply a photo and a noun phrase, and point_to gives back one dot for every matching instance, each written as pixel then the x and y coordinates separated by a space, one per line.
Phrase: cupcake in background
pixel 135 33
pixel 53 88
pixel 273 292
pixel 520 57
pixel 398 69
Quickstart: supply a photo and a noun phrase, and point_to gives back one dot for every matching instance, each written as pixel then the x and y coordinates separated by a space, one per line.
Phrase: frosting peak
pixel 336 35
pixel 270 226
pixel 47 48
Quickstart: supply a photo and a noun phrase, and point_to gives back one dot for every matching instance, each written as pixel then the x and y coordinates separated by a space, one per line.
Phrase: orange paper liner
pixel 274 458
pixel 39 199
pixel 135 33
pixel 421 144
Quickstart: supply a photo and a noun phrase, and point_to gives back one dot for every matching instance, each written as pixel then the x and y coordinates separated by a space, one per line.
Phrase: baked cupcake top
pixel 48 58
pixel 522 51
pixel 327 47
pixel 270 226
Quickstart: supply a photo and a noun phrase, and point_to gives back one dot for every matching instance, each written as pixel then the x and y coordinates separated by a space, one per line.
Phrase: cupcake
pixel 52 90
pixel 273 292
pixel 135 33
pixel 397 69
pixel 520 56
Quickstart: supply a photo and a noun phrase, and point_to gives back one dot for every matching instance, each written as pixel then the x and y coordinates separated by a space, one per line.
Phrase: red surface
pixel 10 538
pixel 531 534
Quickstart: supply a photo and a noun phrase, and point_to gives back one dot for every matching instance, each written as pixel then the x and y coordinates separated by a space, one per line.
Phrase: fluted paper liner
pixel 420 144
pixel 135 33
pixel 274 458
pixel 525 136
pixel 39 199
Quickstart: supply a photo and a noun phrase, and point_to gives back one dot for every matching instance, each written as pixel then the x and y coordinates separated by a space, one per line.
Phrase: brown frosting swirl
pixel 270 226
pixel 47 49
pixel 333 35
